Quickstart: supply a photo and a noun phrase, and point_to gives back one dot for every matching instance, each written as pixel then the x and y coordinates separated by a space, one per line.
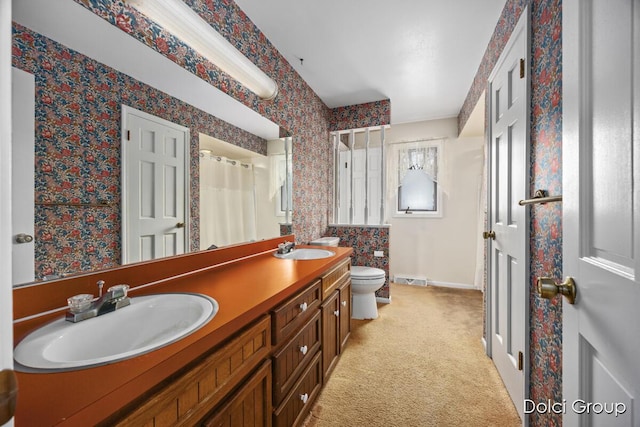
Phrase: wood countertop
pixel 245 290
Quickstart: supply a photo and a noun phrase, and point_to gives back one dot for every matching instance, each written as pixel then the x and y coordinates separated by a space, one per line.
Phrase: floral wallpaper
pixel 360 116
pixel 364 240
pixel 546 173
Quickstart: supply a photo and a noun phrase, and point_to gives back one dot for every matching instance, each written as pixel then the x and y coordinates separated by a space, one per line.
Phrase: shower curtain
pixel 227 202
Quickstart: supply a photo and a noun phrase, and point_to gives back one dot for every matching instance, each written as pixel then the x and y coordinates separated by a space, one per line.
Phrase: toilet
pixel 365 281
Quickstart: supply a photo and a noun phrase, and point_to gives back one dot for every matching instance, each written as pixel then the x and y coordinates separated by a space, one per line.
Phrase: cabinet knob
pixel 336 313
pixel 304 349
pixel 304 397
pixel 344 303
pixel 303 306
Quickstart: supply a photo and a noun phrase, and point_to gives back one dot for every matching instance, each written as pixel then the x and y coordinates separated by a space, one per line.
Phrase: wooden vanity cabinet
pixel 270 373
pixel 248 406
pixel 297 340
pixel 336 314
pixel 188 397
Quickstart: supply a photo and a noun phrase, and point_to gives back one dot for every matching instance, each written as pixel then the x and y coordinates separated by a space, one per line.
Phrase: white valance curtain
pixel 227 202
pixel 417 156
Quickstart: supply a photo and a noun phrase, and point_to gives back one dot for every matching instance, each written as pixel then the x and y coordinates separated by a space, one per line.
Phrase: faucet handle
pixel 119 291
pixel 79 303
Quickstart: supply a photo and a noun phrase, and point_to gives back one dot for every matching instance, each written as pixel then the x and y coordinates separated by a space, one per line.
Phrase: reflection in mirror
pixel 241 192
pixel 85 70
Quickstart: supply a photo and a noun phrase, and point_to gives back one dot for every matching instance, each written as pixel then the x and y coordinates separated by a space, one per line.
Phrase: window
pixel 359 176
pixel 417 189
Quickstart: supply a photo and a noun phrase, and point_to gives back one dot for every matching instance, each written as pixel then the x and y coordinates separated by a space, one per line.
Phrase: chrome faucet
pixel 115 298
pixel 285 247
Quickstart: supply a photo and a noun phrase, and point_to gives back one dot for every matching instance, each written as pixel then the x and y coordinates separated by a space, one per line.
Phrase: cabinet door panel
pixel 345 313
pixel 330 333
pixel 250 406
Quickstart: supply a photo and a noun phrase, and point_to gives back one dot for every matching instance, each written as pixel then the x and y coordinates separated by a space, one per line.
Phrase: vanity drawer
pixel 187 398
pixel 298 402
pixel 290 361
pixel 250 406
pixel 291 315
pixel 335 277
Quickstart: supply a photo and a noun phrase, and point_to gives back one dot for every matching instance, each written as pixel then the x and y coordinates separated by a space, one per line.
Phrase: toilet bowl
pixel 365 281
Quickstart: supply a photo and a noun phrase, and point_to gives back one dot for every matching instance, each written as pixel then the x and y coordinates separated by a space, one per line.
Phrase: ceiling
pixel 421 54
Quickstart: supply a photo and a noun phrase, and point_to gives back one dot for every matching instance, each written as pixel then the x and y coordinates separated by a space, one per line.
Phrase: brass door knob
pixel 180 225
pixel 24 238
pixel 489 235
pixel 548 289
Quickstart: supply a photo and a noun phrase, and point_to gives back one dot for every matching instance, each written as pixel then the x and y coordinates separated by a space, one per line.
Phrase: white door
pixel 6 306
pixel 154 187
pixel 601 211
pixel 508 260
pixel 23 92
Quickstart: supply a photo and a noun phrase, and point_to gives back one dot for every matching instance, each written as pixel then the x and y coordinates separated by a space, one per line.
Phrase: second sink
pixel 306 253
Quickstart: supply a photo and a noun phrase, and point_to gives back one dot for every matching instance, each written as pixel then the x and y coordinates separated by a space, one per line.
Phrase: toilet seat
pixel 366 273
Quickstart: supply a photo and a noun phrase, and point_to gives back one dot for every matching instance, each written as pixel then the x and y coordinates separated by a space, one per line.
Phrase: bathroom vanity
pixel 262 359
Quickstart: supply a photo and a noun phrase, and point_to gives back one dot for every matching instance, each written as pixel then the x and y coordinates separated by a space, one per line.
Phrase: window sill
pixel 434 215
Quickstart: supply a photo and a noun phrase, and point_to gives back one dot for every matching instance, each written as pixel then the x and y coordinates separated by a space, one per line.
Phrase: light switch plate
pixel 378 253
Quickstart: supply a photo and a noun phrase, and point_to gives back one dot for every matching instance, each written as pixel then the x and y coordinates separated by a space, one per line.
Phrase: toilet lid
pixel 366 272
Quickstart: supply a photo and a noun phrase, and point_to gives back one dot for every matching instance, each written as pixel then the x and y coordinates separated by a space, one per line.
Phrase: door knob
pixel 24 238
pixel 180 225
pixel 547 288
pixel 489 235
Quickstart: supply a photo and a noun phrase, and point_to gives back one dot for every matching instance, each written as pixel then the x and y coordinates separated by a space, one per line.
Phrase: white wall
pixel 441 249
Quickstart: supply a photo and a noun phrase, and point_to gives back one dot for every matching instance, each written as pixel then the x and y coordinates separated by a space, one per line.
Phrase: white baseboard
pixel 383 300
pixel 451 285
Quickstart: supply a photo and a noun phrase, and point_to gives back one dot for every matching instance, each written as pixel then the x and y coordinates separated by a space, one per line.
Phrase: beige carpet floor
pixel 421 363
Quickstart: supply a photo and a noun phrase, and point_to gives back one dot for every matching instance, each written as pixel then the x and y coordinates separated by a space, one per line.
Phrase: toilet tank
pixel 325 241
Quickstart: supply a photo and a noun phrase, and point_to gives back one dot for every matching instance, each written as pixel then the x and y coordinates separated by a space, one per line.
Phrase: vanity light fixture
pixel 184 23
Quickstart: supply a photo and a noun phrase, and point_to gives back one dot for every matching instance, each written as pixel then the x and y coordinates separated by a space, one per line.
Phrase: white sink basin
pixel 306 253
pixel 148 323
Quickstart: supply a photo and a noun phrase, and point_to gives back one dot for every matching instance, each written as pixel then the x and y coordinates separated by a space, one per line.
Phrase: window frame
pixel 401 146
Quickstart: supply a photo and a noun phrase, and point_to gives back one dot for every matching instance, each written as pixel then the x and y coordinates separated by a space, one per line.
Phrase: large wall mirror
pixel 76 76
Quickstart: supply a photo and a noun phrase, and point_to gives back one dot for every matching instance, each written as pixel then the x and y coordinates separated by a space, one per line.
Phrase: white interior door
pixel 508 261
pixel 601 211
pixel 6 297
pixel 23 92
pixel 154 187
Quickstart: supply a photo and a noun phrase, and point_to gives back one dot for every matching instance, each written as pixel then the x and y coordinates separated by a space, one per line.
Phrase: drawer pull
pixel 344 303
pixel 336 313
pixel 304 397
pixel 303 307
pixel 304 349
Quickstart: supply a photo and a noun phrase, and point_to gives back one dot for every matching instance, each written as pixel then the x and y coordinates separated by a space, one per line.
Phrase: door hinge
pixel 522 68
pixel 128 135
pixel 520 361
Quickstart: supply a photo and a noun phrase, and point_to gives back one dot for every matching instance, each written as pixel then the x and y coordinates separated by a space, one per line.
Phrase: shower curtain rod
pixel 233 162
